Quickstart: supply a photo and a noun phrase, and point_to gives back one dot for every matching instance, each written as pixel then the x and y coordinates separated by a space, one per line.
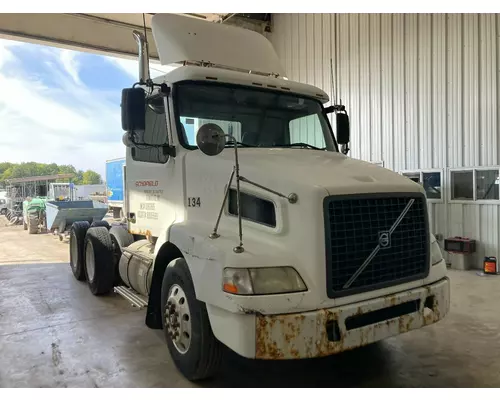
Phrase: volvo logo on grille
pixel 384 239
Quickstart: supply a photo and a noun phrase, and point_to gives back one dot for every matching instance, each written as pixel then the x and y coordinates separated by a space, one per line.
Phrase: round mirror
pixel 211 139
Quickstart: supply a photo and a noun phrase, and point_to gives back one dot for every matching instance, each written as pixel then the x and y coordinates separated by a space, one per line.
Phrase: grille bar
pixel 375 241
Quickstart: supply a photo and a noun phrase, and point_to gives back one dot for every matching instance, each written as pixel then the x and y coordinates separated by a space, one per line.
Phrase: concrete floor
pixel 54 333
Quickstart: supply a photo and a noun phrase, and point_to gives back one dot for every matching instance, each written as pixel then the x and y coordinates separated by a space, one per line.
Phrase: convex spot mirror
pixel 211 139
pixel 133 107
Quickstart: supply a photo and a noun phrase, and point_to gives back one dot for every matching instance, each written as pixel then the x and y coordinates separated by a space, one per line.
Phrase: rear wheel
pixel 192 345
pixel 120 238
pixel 105 224
pixel 99 260
pixel 25 225
pixel 76 246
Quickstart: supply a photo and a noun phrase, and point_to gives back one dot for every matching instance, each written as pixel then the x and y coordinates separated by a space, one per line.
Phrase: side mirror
pixel 133 109
pixel 211 139
pixel 343 130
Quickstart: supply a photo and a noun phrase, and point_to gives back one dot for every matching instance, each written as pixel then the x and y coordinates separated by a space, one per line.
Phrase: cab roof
pixel 209 74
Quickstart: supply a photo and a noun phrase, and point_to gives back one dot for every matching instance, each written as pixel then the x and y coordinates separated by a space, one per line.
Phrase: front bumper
pixel 334 330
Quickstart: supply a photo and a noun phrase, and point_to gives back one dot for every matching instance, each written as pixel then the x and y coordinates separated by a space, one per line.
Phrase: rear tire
pixel 76 248
pixel 120 238
pixel 199 357
pixel 25 225
pixel 99 260
pixel 105 224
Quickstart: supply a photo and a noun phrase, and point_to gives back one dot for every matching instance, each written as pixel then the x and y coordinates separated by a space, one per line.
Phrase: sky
pixel 62 106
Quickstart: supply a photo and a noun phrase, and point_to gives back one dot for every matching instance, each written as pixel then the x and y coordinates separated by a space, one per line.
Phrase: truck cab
pixel 61 191
pixel 248 225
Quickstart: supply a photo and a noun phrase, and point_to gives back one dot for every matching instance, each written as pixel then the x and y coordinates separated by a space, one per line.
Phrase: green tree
pixel 91 178
pixel 25 169
pixel 4 166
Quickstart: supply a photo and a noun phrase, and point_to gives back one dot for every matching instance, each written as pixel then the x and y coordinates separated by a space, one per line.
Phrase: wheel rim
pixel 74 251
pixel 178 319
pixel 89 261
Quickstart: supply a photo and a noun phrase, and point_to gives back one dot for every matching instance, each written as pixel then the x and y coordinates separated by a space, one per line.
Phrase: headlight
pixel 267 280
pixel 436 255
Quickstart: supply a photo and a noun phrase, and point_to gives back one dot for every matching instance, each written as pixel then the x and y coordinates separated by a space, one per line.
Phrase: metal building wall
pixel 422 91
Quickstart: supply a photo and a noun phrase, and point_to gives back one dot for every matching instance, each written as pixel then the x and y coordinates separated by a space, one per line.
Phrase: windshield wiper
pixel 307 145
pixel 228 144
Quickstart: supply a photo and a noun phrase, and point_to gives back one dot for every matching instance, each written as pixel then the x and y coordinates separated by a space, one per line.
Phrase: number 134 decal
pixel 194 202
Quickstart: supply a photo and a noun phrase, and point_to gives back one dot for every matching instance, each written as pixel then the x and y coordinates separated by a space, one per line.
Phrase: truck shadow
pixel 368 366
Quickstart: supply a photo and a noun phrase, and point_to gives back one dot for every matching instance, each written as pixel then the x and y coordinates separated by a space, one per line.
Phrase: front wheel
pixel 32 225
pixel 186 326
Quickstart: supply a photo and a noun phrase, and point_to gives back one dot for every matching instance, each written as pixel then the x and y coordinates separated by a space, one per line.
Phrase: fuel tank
pixel 136 266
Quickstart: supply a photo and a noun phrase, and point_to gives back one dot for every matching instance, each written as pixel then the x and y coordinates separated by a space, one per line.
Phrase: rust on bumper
pixel 305 335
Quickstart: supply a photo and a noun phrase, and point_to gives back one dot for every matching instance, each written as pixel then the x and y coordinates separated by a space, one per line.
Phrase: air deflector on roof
pixel 179 39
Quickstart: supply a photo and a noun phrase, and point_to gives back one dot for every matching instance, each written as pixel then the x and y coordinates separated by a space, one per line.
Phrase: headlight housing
pixel 436 255
pixel 259 281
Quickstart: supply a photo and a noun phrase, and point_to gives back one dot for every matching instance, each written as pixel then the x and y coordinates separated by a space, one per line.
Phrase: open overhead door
pixel 109 34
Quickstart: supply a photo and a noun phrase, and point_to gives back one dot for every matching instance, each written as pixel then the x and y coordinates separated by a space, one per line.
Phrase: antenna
pixel 333 98
pixel 336 61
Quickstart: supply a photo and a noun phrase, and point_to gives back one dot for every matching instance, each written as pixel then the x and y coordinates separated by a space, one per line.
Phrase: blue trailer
pixel 115 186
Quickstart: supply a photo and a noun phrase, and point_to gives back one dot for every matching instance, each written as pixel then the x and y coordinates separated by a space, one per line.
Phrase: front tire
pixel 32 225
pixel 99 260
pixel 186 326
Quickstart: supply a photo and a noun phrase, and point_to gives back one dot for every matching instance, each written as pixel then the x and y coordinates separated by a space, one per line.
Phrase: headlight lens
pixel 267 280
pixel 436 255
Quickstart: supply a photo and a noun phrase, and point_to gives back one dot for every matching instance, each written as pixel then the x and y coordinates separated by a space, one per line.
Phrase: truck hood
pixel 336 173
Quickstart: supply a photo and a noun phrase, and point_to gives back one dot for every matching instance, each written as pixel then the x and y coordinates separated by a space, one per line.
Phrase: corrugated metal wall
pixel 422 91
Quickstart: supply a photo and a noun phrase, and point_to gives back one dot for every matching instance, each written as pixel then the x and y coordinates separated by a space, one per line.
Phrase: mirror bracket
pixel 334 108
pixel 169 150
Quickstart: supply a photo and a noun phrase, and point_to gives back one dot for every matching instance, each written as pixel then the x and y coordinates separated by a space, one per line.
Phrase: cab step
pixel 135 299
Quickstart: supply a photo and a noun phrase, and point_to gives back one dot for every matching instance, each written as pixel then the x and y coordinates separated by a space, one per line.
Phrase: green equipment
pixel 34 214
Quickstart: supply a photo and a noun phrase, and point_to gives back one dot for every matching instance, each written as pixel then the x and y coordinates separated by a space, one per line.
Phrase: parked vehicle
pixel 259 233
pixel 34 214
pixel 115 183
pixel 61 191
pixel 62 214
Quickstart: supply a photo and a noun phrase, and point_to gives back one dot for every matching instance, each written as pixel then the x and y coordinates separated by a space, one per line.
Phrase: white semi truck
pixel 255 232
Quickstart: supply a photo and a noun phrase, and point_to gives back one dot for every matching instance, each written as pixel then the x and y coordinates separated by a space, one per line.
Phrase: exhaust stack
pixel 143 57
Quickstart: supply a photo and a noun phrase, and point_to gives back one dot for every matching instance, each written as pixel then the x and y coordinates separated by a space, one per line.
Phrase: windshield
pixel 256 118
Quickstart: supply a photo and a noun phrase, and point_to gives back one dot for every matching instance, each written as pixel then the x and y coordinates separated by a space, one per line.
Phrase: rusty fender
pixel 305 335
